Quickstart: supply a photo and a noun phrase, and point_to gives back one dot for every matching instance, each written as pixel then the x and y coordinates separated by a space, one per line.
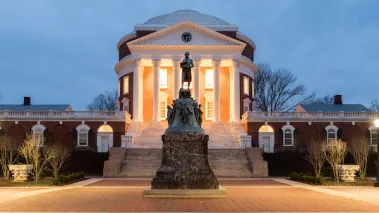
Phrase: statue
pixel 186 66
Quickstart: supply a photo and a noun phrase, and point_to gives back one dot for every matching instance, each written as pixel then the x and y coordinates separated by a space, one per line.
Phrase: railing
pixel 311 115
pixel 63 114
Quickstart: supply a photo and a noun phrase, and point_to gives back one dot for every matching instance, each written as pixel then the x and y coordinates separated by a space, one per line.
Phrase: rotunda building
pixel 149 70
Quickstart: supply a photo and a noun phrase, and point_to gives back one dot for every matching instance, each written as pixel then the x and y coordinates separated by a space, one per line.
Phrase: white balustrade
pixel 310 115
pixel 63 114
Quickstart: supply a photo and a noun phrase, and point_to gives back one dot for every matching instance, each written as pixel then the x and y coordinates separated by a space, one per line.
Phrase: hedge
pixel 69 178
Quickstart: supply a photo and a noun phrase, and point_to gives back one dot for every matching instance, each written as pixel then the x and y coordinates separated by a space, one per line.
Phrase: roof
pixel 334 108
pixel 20 107
pixel 183 15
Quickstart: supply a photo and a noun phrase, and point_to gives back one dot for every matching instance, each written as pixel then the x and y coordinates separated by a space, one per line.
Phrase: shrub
pixel 69 178
pixel 306 178
pixel 55 181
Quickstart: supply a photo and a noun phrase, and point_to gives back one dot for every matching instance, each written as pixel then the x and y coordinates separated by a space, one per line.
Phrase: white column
pixel 140 103
pixel 156 88
pixel 177 77
pixel 231 99
pixel 196 82
pixel 136 87
pixel 216 89
pixel 237 88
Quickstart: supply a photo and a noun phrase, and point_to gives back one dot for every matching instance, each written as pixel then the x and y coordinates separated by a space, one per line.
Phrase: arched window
pixel 288 131
pixel 38 136
pixel 373 136
pixel 82 139
pixel 331 133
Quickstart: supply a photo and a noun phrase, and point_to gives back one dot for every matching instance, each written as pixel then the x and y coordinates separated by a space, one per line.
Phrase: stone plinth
pixel 185 163
pixel 20 172
pixel 185 193
pixel 347 172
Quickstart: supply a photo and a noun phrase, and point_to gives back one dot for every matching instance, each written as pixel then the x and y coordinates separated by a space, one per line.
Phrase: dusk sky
pixel 64 52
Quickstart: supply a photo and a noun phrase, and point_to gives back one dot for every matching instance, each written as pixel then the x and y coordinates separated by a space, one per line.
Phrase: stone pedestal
pixel 20 172
pixel 347 172
pixel 185 163
pixel 185 170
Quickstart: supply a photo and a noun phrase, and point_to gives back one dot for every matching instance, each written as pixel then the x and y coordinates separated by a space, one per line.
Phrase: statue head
pixel 186 54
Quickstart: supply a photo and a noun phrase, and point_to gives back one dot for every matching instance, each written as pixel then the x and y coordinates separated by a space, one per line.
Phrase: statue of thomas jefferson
pixel 186 66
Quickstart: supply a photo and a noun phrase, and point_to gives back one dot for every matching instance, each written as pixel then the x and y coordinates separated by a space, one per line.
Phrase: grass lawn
pixel 46 181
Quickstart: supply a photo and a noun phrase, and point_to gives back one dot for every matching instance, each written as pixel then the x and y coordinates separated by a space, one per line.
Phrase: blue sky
pixel 63 52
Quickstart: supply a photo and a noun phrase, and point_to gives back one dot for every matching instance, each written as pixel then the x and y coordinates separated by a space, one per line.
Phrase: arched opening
pixel 104 138
pixel 266 138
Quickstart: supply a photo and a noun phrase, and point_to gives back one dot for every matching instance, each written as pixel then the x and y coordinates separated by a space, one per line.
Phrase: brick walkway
pixel 249 199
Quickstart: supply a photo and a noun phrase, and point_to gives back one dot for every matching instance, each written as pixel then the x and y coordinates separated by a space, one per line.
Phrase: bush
pixel 69 178
pixel 306 178
pixel 55 181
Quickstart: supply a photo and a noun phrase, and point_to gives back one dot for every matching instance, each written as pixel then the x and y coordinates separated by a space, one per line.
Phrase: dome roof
pixel 182 15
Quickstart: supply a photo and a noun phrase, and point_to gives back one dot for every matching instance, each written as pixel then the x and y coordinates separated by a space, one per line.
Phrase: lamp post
pixel 376 184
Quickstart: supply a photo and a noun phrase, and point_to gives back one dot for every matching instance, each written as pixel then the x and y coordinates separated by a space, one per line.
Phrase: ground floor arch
pixel 104 138
pixel 266 138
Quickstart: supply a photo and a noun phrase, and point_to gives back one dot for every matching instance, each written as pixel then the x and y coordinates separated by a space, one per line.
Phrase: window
pixel 38 137
pixel 246 85
pixel 83 138
pixel 162 105
pixel 209 106
pixel 288 132
pixel 209 109
pixel 209 79
pixel 288 138
pixel 246 105
pixel 162 109
pixel 373 137
pixel 252 89
pixel 126 85
pixel 331 135
pixel 163 78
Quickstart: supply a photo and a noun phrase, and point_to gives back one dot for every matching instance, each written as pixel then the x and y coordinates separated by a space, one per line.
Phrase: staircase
pixel 229 163
pixel 149 135
pixel 141 162
pixel 224 162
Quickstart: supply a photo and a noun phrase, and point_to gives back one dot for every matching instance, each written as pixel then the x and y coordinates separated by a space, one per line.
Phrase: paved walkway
pixel 246 195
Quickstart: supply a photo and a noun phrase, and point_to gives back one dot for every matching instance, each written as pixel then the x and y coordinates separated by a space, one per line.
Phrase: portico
pixel 154 62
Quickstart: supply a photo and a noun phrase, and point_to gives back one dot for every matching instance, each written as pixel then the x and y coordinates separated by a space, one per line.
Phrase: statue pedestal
pixel 185 170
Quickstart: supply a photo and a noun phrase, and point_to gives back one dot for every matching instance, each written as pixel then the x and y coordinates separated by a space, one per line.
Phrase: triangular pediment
pixel 173 36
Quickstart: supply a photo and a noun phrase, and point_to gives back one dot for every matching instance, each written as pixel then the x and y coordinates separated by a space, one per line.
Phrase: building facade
pixel 149 78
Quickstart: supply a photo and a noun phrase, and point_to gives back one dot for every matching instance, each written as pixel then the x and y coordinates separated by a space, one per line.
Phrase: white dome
pixel 183 15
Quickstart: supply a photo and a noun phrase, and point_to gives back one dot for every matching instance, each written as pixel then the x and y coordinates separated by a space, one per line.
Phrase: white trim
pixel 373 129
pixel 125 38
pixel 292 130
pixel 39 127
pixel 331 127
pixel 144 27
pixel 78 130
pixel 246 39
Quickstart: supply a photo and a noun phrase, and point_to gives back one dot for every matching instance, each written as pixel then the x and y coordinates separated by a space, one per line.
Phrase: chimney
pixel 26 101
pixel 338 99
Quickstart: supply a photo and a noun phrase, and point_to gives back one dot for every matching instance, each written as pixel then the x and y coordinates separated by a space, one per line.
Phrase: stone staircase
pixel 224 162
pixel 221 135
pixel 229 163
pixel 141 162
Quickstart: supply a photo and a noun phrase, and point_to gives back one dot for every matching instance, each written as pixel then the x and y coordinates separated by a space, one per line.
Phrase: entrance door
pixel 104 143
pixel 266 143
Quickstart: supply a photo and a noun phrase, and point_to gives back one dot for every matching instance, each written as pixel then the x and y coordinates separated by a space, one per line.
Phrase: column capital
pixel 176 62
pixel 137 62
pixel 156 62
pixel 236 63
pixel 196 63
pixel 216 62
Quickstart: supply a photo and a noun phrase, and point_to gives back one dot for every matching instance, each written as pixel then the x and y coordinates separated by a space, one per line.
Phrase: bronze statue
pixel 186 66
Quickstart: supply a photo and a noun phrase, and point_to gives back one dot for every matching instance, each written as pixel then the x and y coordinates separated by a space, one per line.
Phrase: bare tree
pixel 35 155
pixel 359 147
pixel 7 155
pixel 323 100
pixel 335 155
pixel 59 154
pixel 316 155
pixel 105 102
pixel 278 91
pixel 375 105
